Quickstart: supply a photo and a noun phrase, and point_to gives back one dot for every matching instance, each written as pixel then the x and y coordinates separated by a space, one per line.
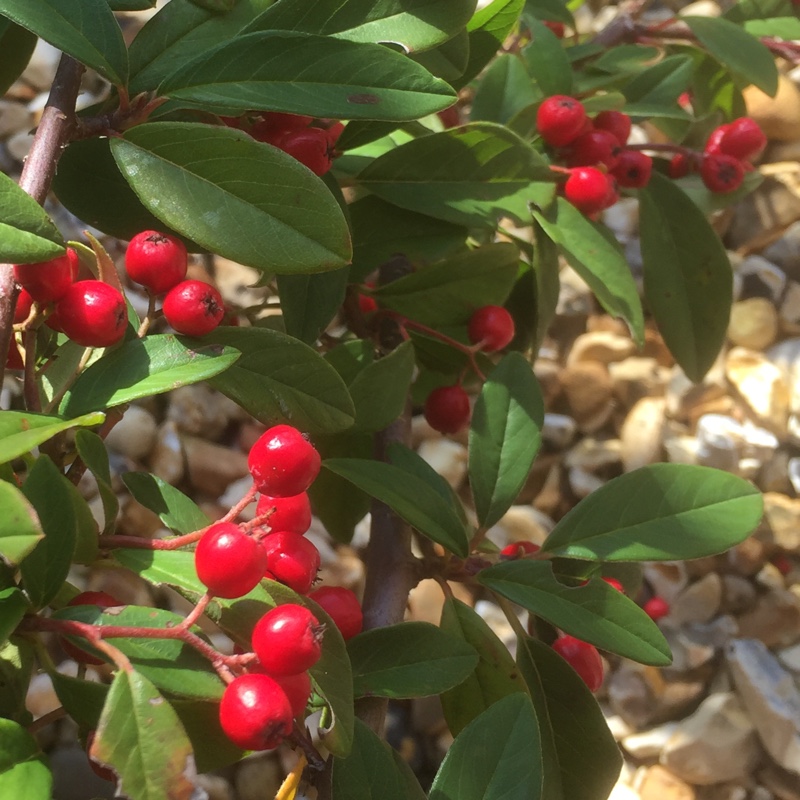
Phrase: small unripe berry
pixel 447 409
pixel 342 606
pixel 283 462
pixel 291 560
pixel 193 308
pixel 46 281
pixel 560 119
pixel 616 123
pixel 255 712
pixel 230 563
pixel 583 658
pixel 93 314
pixel 587 188
pixel 656 608
pixel 633 169
pixel 156 260
pixel 287 640
pixel 743 139
pixel 519 549
pixel 721 174
pixel 492 327
pixel 288 513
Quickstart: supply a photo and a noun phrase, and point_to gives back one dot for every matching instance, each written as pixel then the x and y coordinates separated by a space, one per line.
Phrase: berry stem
pixel 197 611
pixel 300 738
pixel 149 316
pixel 30 390
pixel 46 719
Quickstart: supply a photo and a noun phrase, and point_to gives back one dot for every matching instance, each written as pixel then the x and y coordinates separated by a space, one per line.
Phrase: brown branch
pixel 622 27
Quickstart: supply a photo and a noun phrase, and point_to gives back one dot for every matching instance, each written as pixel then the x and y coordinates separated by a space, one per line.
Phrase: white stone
pixel 718 442
pixel 447 457
pixel 134 436
pixel 770 276
pixel 642 433
pixel 762 385
pixel 583 483
pixel 558 430
pixel 649 744
pixel 593 454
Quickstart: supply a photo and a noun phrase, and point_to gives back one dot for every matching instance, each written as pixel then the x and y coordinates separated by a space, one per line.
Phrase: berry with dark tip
pixel 633 169
pixel 721 174
pixel 193 308
pixel 255 712
pixel 92 314
pixel 560 119
pixel 156 260
pixel 287 640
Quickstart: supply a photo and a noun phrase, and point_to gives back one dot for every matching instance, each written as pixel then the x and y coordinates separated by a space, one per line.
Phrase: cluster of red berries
pixel 159 262
pixel 312 142
pixel 447 409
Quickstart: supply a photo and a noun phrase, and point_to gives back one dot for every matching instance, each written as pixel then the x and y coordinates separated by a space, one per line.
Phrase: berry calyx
pixel 283 462
pixel 230 563
pixel 560 119
pixel 743 139
pixel 309 146
pixel 594 148
pixel 291 560
pixel 287 640
pixel 583 658
pixel 255 712
pixel 156 260
pixel 518 549
pixel 616 123
pixel 721 174
pixel 92 314
pixel 101 600
pixel 588 189
pixel 492 327
pixel 342 606
pixel 288 513
pixel 633 169
pixel 46 281
pixel 193 308
pixel 447 409
pixel 656 608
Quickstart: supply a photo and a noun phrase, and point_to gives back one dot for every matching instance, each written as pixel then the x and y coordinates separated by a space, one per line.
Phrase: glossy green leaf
pixel 21 431
pixel 409 659
pixel 84 29
pixel 448 292
pixel 212 749
pixel 45 569
pixel 373 771
pixel 586 760
pixel 545 267
pixel 504 90
pixel 687 276
pixel 279 379
pixel 662 83
pixel 141 737
pixel 555 10
pixel 173 568
pixel 82 700
pixel 782 27
pixel 738 50
pixel 16 45
pixel 17 663
pixel 547 61
pixel 20 528
pixel 177 511
pixel 596 612
pixel 12 608
pixel 626 58
pixel 470 176
pixel 496 675
pixel 487 31
pixel 310 302
pixel 144 367
pixel 208 183
pixel 662 512
pixel 504 437
pixel 92 450
pixel 86 527
pixel 27 234
pixel 757 9
pixel 305 74
pixel 131 5
pixel 447 61
pixel 23 767
pixel 596 256
pixel 408 496
pixel 496 757
pixel 380 230
pixel 413 24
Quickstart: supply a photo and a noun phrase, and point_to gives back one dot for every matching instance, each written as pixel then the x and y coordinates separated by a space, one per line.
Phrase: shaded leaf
pixel 21 431
pixel 177 511
pixel 16 45
pixel 92 450
pixel 20 528
pixel 82 700
pixel 487 31
pixel 310 302
pixel 12 609
pixel 504 90
pixel 212 749
pixel 547 61
pixel 27 234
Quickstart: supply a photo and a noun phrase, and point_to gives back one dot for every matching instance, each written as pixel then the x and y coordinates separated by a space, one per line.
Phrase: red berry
pixel 287 640
pixel 594 148
pixel 518 550
pixel 685 101
pixel 367 304
pixel 193 308
pixel 99 599
pixel 273 124
pixel 230 563
pixel 309 146
pixel 291 560
pixel 283 462
pixel 450 117
pixel 633 169
pixel 255 712
pixel 46 281
pixel 721 174
pixel 297 689
pixel 560 119
pixel 24 306
pixel 616 123
pixel 342 606
pixel 588 189
pixel 556 27
pixel 14 359
pixel 288 513
pixel 656 608
pixel 105 773
pixel 615 584
pixel 743 139
pixel 447 409
pixel 492 327
pixel 156 260
pixel 93 314
pixel 680 165
pixel 583 658
pixel 715 139
pixel 333 133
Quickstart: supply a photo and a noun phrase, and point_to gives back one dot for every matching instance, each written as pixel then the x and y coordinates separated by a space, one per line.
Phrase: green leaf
pixel 380 230
pixel 144 367
pixel 545 267
pixel 504 437
pixel 503 91
pixel 662 512
pixel 373 771
pixel 82 700
pixel 21 431
pixel 16 45
pixel 177 511
pixel 412 499
pixel 84 29
pixel 447 61
pixel 27 234
pixel 496 675
pixel 141 737
pixel 661 84
pixel 45 569
pixel 86 527
pixel 410 659
pixel 20 528
pixel 212 749
pixel 586 760
pixel 17 661
pixel 208 183
pixel 496 757
pixel 547 61
pixel 471 176
pixel 596 256
pixel 555 10
pixel 301 73
pixel 131 5
pixel 742 53
pixel 12 609
pixel 487 31
pixel 92 450
pixel 758 9
pixel 447 293
pixel 310 302
pixel 782 27
pixel 596 612
pixel 687 276
pixel 413 24
pixel 279 379
pixel 173 568
pixel 23 767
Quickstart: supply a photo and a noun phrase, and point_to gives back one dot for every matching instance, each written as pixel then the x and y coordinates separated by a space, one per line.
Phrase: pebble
pixel 699 602
pixel 761 279
pixel 574 297
pixel 789 310
pixel 738 594
pixel 667 578
pixel 785 251
pixel 593 454
pixel 134 436
pixel 658 783
pixel 782 518
pixel 583 483
pixel 775 620
pixel 558 430
pixel 13 117
pixel 521 523
pixel 779 116
pixel 790 658
pixel 588 389
pixel 636 377
pixel 601 346
pixel 650 743
pixel 42 67
pixel 167 458
pixel 753 323
pixel 761 385
pixel 258 777
pixel 211 467
pixel 642 433
pixel 447 457
pixel 200 411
